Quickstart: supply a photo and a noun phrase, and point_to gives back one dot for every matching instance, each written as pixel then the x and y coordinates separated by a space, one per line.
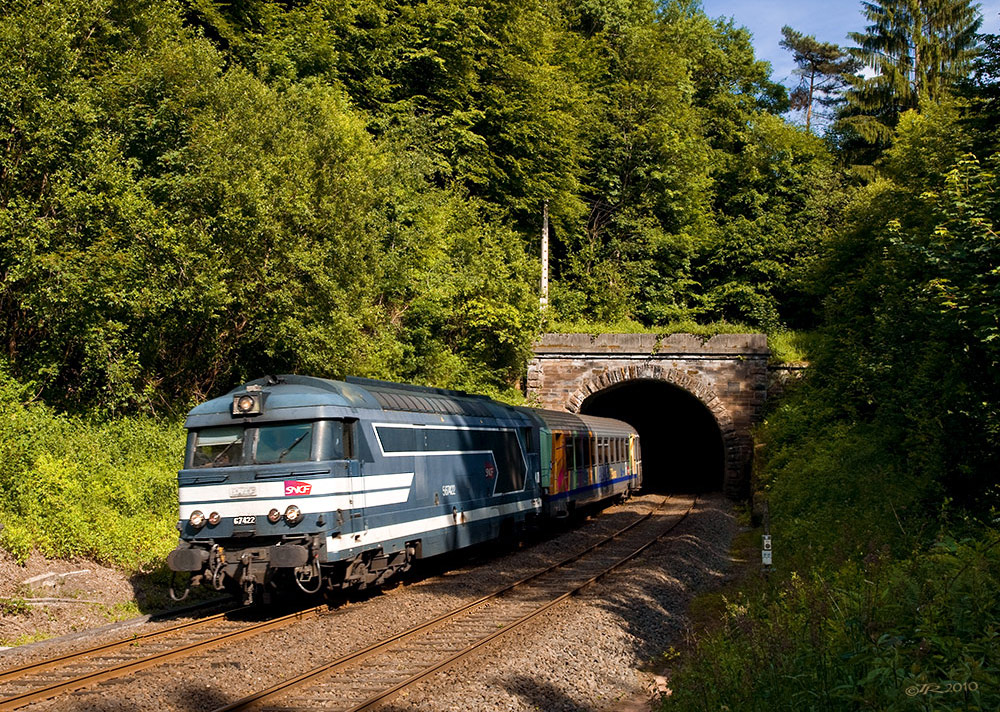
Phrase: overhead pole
pixel 544 301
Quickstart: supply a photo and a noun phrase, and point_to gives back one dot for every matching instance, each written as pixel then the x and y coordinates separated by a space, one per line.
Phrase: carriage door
pixel 357 523
pixel 533 460
pixel 351 518
pixel 559 479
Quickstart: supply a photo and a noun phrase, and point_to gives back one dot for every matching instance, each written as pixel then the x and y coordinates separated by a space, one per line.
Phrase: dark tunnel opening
pixel 682 448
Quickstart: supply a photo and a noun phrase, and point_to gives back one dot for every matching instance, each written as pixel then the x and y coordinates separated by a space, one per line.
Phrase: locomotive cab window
pixel 217 447
pixel 336 439
pixel 284 442
pixel 299 442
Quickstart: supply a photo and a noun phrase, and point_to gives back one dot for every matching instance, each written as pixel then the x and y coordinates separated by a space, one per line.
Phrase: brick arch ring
pixel 731 442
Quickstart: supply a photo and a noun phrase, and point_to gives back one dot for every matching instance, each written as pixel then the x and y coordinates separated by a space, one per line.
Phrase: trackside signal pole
pixel 544 301
pixel 765 553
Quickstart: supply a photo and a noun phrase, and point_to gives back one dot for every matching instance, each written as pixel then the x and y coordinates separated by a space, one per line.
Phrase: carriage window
pixel 288 442
pixel 582 460
pixel 218 447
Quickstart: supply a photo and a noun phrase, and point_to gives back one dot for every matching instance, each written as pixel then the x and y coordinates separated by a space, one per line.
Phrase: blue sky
pixel 828 20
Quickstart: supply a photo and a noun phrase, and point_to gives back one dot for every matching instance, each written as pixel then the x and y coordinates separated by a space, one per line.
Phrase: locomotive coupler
pixel 310 571
pixel 247 580
pixel 217 565
pixel 173 593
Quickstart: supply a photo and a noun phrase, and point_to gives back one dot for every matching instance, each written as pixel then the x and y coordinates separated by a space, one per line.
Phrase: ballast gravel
pixel 588 653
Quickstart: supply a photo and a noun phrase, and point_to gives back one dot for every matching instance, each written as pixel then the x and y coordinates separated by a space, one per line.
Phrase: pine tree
pixel 917 49
pixel 823 71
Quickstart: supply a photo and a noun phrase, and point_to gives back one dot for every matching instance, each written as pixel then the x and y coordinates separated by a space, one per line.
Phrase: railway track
pixel 364 679
pixel 34 682
pixel 458 633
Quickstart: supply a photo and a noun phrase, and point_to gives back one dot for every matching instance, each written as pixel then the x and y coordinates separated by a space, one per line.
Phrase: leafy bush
pixel 912 634
pixel 792 346
pixel 72 487
pixel 837 490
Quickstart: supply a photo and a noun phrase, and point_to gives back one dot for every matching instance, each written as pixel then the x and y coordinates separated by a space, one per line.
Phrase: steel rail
pixel 471 650
pixel 15 701
pixel 41 666
pixel 360 655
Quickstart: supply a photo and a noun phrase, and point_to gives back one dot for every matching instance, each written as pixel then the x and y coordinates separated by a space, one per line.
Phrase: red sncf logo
pixel 294 487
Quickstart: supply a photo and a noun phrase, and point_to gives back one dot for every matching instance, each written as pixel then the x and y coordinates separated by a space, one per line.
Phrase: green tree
pixel 912 309
pixel 647 183
pixel 981 89
pixel 171 223
pixel 778 203
pixel 823 69
pixel 917 50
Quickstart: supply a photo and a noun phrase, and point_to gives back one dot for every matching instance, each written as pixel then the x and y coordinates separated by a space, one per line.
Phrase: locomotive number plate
pixel 244 520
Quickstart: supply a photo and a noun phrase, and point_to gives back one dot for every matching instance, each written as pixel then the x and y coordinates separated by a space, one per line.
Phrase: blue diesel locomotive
pixel 294 480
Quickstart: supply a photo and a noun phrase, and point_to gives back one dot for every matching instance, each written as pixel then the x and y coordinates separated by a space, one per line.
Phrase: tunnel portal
pixel 683 393
pixel 682 446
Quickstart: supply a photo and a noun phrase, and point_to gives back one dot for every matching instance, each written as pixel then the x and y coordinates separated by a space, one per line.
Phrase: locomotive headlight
pixel 197 519
pixel 293 514
pixel 273 516
pixel 247 404
pixel 214 518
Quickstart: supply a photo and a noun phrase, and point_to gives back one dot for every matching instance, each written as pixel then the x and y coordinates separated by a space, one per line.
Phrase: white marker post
pixel 545 257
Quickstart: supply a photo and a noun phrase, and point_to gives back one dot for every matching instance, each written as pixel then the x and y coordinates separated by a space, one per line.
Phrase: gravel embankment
pixel 589 653
pixel 585 655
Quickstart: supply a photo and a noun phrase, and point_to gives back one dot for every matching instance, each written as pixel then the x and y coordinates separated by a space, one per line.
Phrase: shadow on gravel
pixel 541 695
pixel 652 599
pixel 535 695
pixel 198 697
pixel 184 697
pixel 151 592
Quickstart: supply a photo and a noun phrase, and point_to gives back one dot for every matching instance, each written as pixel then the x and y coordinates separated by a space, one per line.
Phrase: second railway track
pixel 367 678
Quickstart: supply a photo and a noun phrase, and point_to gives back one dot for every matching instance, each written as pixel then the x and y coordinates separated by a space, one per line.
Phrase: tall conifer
pixel 917 49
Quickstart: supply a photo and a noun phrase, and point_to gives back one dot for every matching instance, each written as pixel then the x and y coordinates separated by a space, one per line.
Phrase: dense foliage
pixel 197 192
pixel 73 487
pixel 880 469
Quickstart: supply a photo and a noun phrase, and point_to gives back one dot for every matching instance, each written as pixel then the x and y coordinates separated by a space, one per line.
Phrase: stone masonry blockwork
pixel 728 373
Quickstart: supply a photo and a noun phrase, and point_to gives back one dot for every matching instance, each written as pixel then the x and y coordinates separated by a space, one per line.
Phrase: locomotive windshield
pixel 264 444
pixel 284 443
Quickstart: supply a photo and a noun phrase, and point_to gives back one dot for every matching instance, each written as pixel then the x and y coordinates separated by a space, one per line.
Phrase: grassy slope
pixel 76 487
pixel 881 598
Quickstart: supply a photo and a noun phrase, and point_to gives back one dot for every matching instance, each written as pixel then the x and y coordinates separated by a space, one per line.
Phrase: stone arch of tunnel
pixel 687 444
